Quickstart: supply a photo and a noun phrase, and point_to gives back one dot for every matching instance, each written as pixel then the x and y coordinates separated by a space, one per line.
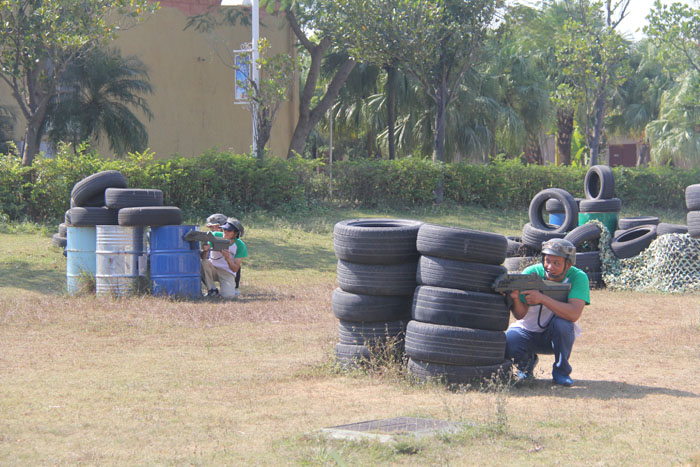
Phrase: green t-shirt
pixel 241 249
pixel 580 287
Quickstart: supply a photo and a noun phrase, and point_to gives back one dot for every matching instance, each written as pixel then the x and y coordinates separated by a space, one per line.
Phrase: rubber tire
pixel 349 356
pixel 95 185
pixel 453 307
pixel 459 374
pixel 588 261
pixel 583 233
pixel 461 244
pixel 118 198
pixel 517 248
pixel 62 229
pixel 370 308
pixel 663 228
pixel 625 223
pixel 570 209
pixel 58 240
pixel 534 237
pixel 377 279
pixel 376 241
pixel 692 197
pixel 89 216
pixel 369 333
pixel 518 263
pixel 453 345
pixel 693 221
pixel 461 275
pixel 599 183
pixel 96 201
pixel 600 205
pixel 633 241
pixel 150 215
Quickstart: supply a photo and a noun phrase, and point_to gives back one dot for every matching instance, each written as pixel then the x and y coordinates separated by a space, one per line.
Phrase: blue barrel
pixel 81 262
pixel 175 263
pixel 557 218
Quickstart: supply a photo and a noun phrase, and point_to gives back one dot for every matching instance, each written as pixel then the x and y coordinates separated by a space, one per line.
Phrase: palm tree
pixel 96 101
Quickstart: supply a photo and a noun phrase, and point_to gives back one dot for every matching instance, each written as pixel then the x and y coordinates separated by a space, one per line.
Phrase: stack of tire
pixel 377 263
pixel 692 202
pixel 457 331
pixel 59 238
pixel 600 202
pixel 634 235
pixel 586 239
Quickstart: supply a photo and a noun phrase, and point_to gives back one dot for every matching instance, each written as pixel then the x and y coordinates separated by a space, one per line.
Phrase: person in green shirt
pixel 545 325
pixel 224 266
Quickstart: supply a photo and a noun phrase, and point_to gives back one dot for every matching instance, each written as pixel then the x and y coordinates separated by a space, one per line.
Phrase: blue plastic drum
pixel 557 218
pixel 175 263
pixel 81 261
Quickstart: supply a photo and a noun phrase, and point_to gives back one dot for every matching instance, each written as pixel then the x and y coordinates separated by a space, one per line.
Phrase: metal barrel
pixel 80 257
pixel 121 259
pixel 175 263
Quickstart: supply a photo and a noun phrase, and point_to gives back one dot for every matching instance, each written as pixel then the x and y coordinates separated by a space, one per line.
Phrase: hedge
pixel 225 182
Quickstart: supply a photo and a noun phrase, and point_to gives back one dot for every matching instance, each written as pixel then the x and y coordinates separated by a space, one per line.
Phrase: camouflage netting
pixel 670 264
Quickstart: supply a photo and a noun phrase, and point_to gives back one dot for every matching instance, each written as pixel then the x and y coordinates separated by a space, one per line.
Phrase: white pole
pixel 330 152
pixel 254 64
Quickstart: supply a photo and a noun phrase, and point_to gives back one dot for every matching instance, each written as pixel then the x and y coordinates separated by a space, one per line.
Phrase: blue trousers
pixel 557 338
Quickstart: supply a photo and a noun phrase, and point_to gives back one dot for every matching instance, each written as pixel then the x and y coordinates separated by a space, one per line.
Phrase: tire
pixel 95 185
pixel 377 279
pixel 453 345
pixel 370 333
pixel 663 228
pixel 370 308
pixel 692 197
pixel 118 198
pixel 461 244
pixel 629 222
pixel 459 374
pixel 348 356
pixel 517 248
pixel 589 261
pixel 461 275
pixel 600 205
pixel 693 221
pixel 570 209
pixel 595 280
pixel 376 241
pixel 599 183
pixel 533 237
pixel 58 240
pixel 89 216
pixel 554 206
pixel 518 263
pixel 633 241
pixel 96 201
pixel 583 233
pixel 460 308
pixel 62 229
pixel 150 215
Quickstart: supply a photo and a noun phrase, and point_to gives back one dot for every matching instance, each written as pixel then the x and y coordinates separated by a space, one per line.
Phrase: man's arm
pixel 518 308
pixel 570 311
pixel 233 263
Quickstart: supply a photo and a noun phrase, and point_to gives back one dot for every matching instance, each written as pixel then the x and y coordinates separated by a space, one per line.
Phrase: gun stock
pixel 216 243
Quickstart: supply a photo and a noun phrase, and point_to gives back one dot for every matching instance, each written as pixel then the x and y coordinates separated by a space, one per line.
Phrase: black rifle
pixel 510 282
pixel 216 243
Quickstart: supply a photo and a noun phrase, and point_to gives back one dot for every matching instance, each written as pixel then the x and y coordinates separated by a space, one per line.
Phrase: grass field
pixel 97 381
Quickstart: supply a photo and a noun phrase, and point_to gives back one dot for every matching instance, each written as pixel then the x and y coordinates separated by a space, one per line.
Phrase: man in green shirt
pixel 545 325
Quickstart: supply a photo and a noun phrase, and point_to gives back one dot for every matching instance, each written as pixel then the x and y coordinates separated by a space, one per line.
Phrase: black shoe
pixel 212 292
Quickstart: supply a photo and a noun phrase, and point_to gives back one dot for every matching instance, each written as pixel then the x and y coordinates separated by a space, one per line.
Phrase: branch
pixel 294 24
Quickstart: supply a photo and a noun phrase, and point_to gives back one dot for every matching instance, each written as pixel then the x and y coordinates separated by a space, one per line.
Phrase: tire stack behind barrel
pixel 457 331
pixel 600 202
pixel 377 262
pixel 586 239
pixel 692 202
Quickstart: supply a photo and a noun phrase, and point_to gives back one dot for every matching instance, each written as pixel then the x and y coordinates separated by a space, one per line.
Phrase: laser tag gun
pixel 216 243
pixel 508 282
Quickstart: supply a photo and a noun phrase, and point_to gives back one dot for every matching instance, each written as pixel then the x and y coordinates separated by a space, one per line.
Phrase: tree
pixel 96 96
pixel 674 30
pixel 7 122
pixel 39 39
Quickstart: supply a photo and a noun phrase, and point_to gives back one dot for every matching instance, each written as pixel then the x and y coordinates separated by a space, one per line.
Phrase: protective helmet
pixel 560 247
pixel 237 225
pixel 216 219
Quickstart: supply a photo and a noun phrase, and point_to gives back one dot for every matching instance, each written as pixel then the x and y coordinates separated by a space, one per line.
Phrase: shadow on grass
pixel 267 254
pixel 599 389
pixel 25 275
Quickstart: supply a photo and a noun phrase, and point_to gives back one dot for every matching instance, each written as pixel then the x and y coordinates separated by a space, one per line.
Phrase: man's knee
pixel 562 326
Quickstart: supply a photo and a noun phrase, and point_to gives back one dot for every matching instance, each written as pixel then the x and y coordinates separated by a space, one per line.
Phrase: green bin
pixel 609 219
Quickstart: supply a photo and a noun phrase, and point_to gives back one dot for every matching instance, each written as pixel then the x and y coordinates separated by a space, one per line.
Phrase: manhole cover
pixel 383 430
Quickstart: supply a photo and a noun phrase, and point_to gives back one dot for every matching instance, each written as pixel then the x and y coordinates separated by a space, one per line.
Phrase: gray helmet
pixel 560 247
pixel 237 225
pixel 216 219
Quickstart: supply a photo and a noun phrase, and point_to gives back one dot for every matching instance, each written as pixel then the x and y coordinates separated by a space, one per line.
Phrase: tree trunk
pixel 439 142
pixel 565 128
pixel 390 92
pixel 597 129
pixel 644 155
pixel 533 154
pixel 32 135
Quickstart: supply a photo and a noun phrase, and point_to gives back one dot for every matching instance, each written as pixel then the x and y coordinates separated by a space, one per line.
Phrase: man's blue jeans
pixel 557 338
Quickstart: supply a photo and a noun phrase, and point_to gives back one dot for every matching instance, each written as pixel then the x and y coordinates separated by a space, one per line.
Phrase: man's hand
pixel 226 253
pixel 533 297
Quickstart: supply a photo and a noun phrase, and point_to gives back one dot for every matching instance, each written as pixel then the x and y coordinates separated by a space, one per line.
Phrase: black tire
pixel 589 261
pixel 150 215
pixel 633 241
pixel 583 233
pixel 370 308
pixel 692 197
pixel 600 205
pixel 554 206
pixel 599 183
pixel 533 237
pixel 461 244
pixel 348 355
pixel 693 221
pixel 595 280
pixel 89 216
pixel 376 241
pixel 459 374
pixel 118 198
pixel 625 223
pixel 570 209
pixel 62 229
pixel 518 263
pixel 517 248
pixel 59 240
pixel 453 307
pixel 96 201
pixel 663 228
pixel 377 279
pixel 451 274
pixel 370 333
pixel 453 345
pixel 95 185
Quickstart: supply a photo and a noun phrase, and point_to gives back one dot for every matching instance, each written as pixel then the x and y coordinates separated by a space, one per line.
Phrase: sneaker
pixel 212 292
pixel 528 374
pixel 236 293
pixel 562 380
